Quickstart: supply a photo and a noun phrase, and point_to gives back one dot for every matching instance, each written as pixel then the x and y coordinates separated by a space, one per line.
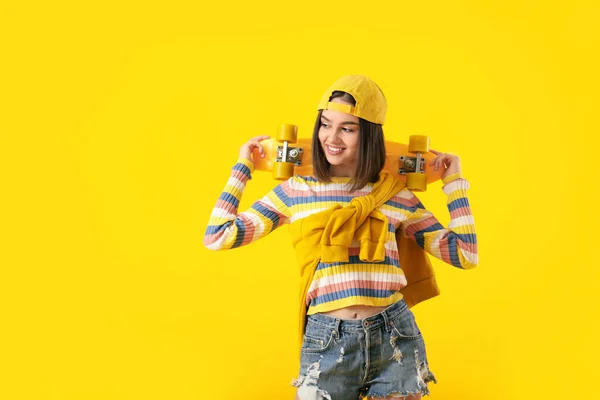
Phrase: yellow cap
pixel 370 101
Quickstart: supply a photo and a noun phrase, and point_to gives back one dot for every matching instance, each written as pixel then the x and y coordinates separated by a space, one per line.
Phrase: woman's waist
pixel 355 312
pixel 355 316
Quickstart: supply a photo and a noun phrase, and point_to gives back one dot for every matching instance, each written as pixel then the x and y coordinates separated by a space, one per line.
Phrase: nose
pixel 336 133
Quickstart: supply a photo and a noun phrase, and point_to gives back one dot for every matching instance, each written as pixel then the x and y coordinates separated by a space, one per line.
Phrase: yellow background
pixel 119 124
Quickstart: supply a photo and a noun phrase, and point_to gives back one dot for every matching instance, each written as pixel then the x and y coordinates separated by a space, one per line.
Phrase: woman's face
pixel 339 136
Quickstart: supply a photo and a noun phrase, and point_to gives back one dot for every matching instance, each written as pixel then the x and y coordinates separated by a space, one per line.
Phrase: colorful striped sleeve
pixel 455 245
pixel 227 229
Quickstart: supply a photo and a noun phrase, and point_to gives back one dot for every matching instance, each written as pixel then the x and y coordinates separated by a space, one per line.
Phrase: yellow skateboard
pixel 287 155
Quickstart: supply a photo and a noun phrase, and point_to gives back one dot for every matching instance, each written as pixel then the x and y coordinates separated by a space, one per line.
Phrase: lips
pixel 333 150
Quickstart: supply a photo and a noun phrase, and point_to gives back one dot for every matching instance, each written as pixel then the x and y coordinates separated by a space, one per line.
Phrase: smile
pixel 334 150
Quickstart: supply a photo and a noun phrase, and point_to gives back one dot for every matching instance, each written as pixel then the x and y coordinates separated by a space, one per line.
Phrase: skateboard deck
pixel 401 159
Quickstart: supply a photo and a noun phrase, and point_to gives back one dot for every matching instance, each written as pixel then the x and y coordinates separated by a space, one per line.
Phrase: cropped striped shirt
pixel 342 284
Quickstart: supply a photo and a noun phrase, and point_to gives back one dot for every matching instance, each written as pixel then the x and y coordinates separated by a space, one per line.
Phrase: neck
pixel 342 171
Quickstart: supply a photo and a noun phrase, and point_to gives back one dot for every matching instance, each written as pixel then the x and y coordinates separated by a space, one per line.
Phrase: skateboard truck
pixel 414 166
pixel 287 157
pixel 410 164
pixel 289 154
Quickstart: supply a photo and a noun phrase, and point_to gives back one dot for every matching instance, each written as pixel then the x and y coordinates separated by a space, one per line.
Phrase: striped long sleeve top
pixel 341 284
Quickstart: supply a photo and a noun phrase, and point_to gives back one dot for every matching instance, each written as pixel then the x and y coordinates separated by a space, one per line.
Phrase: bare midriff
pixel 355 312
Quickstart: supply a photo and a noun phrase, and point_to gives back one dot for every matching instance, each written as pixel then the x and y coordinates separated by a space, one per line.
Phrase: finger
pixel 259 147
pixel 434 151
pixel 434 160
pixel 259 138
pixel 449 159
pixel 439 162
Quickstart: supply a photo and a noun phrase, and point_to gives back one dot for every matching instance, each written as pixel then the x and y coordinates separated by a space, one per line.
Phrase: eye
pixel 324 125
pixel 347 130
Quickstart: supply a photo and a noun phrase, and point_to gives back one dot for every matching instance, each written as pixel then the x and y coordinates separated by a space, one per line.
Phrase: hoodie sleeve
pixel 228 229
pixel 455 245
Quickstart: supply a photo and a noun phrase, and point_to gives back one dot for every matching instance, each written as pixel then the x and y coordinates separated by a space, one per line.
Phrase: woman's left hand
pixel 449 162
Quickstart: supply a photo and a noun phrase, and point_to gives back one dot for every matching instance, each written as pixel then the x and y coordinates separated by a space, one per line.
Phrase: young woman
pixel 359 336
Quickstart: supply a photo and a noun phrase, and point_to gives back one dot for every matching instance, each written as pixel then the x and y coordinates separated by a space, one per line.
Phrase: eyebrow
pixel 343 123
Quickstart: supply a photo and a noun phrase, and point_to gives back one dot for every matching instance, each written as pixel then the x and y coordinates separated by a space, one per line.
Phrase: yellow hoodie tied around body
pixel 327 235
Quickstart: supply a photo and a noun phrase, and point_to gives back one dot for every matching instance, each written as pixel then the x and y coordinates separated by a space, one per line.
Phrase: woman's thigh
pixel 331 364
pixel 402 366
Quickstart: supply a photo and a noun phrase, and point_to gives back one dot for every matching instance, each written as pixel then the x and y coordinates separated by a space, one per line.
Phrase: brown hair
pixel 371 150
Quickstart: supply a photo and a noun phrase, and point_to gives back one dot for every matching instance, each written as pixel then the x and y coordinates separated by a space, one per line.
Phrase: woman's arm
pixel 227 229
pixel 455 245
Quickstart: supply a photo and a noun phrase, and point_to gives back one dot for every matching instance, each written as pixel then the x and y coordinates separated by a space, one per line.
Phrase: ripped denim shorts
pixel 383 355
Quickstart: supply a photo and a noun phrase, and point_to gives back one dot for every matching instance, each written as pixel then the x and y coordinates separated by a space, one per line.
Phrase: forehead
pixel 339 117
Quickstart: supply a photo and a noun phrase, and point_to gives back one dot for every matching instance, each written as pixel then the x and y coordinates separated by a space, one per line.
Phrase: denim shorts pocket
pixel 317 338
pixel 405 326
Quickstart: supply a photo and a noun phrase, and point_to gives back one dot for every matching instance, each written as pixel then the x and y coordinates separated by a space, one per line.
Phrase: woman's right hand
pixel 254 143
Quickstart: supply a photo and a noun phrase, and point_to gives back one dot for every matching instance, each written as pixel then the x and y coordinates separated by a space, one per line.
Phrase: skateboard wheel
pixel 416 181
pixel 283 170
pixel 418 144
pixel 287 133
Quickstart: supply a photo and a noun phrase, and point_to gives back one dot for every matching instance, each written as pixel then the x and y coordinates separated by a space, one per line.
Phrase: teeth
pixel 335 149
